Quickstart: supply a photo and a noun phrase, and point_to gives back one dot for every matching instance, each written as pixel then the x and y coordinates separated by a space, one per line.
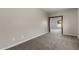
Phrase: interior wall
pixel 78 23
pixel 18 25
pixel 69 21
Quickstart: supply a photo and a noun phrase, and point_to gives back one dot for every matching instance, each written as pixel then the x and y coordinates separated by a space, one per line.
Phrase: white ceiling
pixel 52 10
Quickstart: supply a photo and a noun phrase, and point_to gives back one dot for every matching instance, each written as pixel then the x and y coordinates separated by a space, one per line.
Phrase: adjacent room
pixel 39 29
pixel 56 24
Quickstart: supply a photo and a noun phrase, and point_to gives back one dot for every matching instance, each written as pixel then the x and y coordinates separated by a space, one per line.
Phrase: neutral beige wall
pixel 78 22
pixel 17 25
pixel 69 21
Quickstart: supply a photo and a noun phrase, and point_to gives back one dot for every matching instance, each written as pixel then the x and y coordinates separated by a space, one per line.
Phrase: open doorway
pixel 56 24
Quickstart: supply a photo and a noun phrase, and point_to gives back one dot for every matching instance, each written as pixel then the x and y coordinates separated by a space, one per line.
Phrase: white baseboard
pixel 70 35
pixel 22 41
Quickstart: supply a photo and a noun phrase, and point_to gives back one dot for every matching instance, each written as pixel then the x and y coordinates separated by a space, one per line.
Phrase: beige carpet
pixel 50 41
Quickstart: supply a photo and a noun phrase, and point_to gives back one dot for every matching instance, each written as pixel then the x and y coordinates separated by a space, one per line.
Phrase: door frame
pixel 55 17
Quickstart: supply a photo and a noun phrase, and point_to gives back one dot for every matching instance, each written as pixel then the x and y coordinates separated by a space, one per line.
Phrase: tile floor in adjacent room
pixel 50 41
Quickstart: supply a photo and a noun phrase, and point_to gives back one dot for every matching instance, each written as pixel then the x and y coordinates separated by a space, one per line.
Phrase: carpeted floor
pixel 50 41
